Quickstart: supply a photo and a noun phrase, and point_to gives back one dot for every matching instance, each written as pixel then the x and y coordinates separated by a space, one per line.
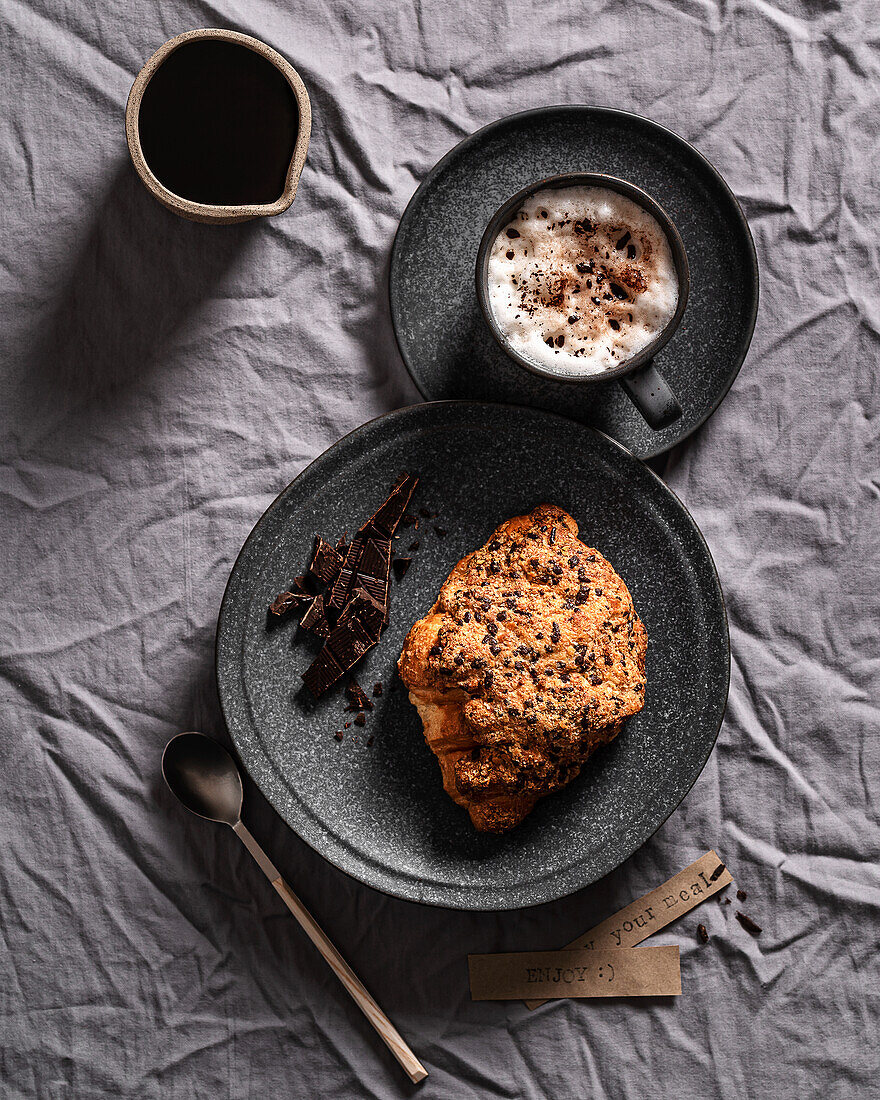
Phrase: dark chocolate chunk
pixel 555 634
pixel 322 673
pixel 749 925
pixel 717 873
pixel 512 233
pixel 326 562
pixel 385 521
pixel 345 581
pixel 349 642
pixel 315 618
pixel 360 719
pixel 702 933
pixel 400 567
pixel 357 696
pixel 742 895
pixel 288 601
pixel 369 612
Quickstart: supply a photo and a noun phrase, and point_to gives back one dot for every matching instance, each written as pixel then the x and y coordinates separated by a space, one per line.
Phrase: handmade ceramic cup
pixel 649 391
pixel 287 130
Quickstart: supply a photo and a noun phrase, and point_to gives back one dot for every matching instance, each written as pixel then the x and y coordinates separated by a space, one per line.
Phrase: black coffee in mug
pixel 218 124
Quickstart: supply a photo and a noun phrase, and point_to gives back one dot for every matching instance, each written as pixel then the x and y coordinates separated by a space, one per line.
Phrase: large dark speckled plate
pixel 380 812
pixel 442 336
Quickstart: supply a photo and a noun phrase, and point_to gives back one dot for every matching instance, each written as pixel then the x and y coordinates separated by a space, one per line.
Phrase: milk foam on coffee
pixel 581 279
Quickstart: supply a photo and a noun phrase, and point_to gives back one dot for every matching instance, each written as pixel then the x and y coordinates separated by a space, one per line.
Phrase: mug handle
pixel 652 396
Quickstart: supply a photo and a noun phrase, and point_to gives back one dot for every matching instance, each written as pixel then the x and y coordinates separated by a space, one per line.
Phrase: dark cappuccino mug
pixel 649 391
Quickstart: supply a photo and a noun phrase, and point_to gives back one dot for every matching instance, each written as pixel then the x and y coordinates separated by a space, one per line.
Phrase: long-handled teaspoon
pixel 203 775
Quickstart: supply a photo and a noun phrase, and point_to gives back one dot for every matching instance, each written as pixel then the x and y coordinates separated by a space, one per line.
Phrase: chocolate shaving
pixel 749 925
pixel 400 567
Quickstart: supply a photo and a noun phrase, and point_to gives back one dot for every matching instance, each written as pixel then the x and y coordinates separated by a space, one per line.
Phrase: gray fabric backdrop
pixel 163 381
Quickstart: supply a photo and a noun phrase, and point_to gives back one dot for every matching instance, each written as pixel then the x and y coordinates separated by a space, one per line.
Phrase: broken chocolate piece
pixel 315 618
pixel 400 567
pixel 326 562
pixel 749 925
pixel 344 582
pixel 360 719
pixel 702 933
pixel 322 673
pixel 288 601
pixel 385 521
pixel 357 696
pixel 348 643
pixel 368 611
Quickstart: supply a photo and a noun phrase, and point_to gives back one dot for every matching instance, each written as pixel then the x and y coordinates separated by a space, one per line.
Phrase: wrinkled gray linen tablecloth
pixel 162 381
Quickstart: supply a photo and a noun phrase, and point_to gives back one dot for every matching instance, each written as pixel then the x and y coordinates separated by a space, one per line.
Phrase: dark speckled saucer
pixel 443 338
pixel 380 812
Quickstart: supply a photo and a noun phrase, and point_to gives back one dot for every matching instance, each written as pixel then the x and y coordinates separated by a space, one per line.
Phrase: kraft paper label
pixel 642 918
pixel 618 972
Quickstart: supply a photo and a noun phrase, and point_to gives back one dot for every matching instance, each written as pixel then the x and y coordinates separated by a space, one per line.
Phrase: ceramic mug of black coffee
pixel 218 125
pixel 650 392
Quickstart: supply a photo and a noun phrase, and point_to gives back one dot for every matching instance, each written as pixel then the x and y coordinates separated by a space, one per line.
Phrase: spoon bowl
pixel 204 777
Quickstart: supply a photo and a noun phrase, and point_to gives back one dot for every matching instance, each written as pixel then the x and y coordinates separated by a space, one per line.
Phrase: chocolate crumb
pixel 702 933
pixel 749 925
pixel 369 741
pixel 360 719
pixel 377 688
pixel 414 546
pixel 742 895
pixel 440 532
pixel 400 567
pixel 339 735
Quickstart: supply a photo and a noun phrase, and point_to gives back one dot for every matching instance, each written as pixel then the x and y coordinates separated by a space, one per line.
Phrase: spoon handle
pixel 389 1034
